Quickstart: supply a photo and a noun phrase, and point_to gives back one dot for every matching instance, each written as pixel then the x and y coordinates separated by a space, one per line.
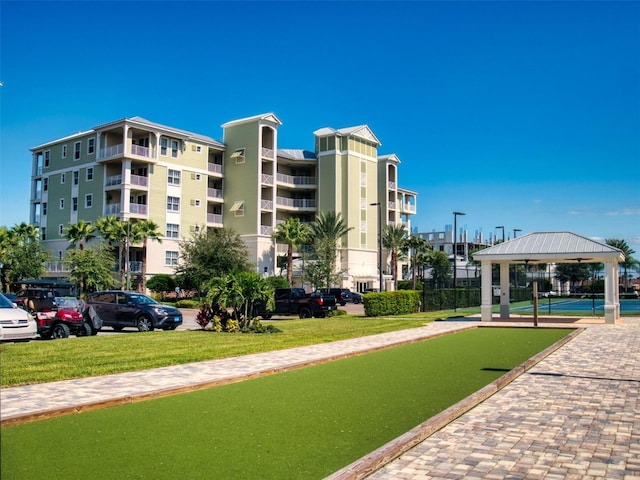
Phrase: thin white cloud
pixel 624 212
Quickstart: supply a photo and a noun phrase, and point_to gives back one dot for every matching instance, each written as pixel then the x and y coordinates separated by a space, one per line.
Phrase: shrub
pixel 391 303
pixel 205 316
pixel 161 283
pixel 336 313
pixel 186 303
pixel 231 326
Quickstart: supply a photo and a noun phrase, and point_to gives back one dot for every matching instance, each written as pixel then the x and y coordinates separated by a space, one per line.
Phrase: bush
pixel 391 303
pixel 187 303
pixel 336 313
pixel 161 283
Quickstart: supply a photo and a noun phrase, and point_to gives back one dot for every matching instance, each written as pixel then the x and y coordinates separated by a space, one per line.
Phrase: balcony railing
pixel 139 180
pixel 214 167
pixel 391 185
pixel 296 202
pixel 266 204
pixel 138 208
pixel 112 209
pixel 113 180
pixel 135 267
pixel 214 193
pixel 267 179
pixel 140 151
pixel 407 207
pixel 214 218
pixel 392 205
pixel 110 152
pixel 266 229
pixel 296 179
pixel 268 153
pixel 56 267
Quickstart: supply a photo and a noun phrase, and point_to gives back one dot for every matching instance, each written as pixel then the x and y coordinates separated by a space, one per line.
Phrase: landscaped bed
pixel 303 424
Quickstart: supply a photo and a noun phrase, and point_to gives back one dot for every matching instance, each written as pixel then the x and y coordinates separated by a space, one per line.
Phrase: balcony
pixel 113 180
pixel 296 180
pixel 407 207
pixel 391 185
pixel 266 204
pixel 268 153
pixel 214 218
pixel 296 203
pixel 56 267
pixel 139 181
pixel 214 168
pixel 138 209
pixel 112 209
pixel 215 193
pixel 109 153
pixel 266 230
pixel 140 151
pixel 267 179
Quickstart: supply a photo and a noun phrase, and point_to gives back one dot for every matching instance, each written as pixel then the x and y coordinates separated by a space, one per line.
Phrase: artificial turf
pixel 302 424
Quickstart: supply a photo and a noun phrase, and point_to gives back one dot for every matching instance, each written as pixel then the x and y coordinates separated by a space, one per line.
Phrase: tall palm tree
pixel 78 233
pixel 143 231
pixel 394 239
pixel 629 261
pixel 326 231
pixel 417 245
pixel 294 234
pixel 114 231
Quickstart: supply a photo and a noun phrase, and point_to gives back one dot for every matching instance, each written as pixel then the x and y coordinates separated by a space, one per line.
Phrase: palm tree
pixel 326 231
pixel 114 231
pixel 78 233
pixel 294 234
pixel 417 245
pixel 629 261
pixel 394 239
pixel 143 231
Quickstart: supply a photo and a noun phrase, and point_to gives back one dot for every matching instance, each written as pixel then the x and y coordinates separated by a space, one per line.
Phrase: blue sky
pixel 524 114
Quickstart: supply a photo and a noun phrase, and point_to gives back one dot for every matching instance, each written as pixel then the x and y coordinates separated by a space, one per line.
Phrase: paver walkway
pixel 576 414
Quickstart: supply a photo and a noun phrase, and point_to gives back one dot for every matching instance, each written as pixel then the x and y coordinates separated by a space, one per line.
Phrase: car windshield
pixel 5 302
pixel 140 299
pixel 67 302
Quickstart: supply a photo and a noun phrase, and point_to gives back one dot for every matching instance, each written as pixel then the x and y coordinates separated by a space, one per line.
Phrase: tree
pixel 629 261
pixel 144 231
pixel 78 233
pixel 21 254
pixel 114 231
pixel 212 253
pixel 572 272
pixel 394 239
pixel 294 234
pixel 162 283
pixel 417 245
pixel 326 232
pixel 91 268
pixel 440 268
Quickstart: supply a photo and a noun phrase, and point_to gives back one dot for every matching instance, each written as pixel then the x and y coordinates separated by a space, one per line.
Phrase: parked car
pixel 343 295
pixel 15 323
pixel 119 309
pixel 295 301
pixel 356 297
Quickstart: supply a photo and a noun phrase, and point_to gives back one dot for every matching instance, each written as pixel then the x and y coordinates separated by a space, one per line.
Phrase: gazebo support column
pixel 611 295
pixel 505 293
pixel 486 308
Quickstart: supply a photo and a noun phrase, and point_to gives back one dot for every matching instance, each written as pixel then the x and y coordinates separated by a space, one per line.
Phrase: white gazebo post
pixel 505 292
pixel 611 306
pixel 486 308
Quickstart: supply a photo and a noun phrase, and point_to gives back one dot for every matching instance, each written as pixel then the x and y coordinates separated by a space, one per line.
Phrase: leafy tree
pixel 277 282
pixel 629 261
pixel 417 245
pixel 293 233
pixel 91 268
pixel 212 253
pixel 114 231
pixel 161 283
pixel 144 231
pixel 440 268
pixel 394 239
pixel 21 254
pixel 326 232
pixel 572 273
pixel 79 233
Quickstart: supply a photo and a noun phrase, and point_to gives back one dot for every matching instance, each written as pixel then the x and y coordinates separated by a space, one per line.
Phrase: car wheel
pixel 342 304
pixel 60 330
pixel 84 330
pixel 145 324
pixel 356 301
pixel 117 328
pixel 304 313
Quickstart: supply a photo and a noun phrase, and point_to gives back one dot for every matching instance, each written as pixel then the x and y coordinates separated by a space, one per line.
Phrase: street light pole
pixel 455 254
pixel 515 231
pixel 379 205
pixel 502 228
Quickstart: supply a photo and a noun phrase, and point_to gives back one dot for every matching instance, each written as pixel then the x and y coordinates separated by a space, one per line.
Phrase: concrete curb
pixel 368 464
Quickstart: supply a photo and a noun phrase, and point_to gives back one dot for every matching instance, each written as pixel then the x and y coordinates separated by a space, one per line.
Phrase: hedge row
pixel 391 303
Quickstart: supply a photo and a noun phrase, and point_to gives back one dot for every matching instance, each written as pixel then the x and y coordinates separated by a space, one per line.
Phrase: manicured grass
pixel 303 424
pixel 51 360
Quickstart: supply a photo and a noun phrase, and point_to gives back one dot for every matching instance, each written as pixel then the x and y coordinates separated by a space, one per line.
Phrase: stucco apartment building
pixel 136 169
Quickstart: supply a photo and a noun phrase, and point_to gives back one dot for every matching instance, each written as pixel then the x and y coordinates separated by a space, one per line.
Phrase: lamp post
pixel 455 254
pixel 515 231
pixel 379 205
pixel 502 228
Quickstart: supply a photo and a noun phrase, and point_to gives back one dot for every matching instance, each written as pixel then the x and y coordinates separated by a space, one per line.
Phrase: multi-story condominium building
pixel 183 181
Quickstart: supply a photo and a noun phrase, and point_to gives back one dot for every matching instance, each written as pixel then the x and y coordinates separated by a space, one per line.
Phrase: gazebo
pixel 548 247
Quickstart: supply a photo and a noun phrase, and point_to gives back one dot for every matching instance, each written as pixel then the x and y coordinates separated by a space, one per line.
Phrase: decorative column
pixel 504 290
pixel 610 286
pixel 487 291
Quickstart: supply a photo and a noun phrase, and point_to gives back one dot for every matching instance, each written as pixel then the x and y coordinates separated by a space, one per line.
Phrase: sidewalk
pixel 576 414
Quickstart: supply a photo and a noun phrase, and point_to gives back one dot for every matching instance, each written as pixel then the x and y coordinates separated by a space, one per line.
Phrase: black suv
pixel 118 309
pixel 343 295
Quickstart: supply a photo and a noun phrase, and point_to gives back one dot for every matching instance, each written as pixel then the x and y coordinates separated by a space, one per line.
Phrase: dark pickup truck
pixel 295 301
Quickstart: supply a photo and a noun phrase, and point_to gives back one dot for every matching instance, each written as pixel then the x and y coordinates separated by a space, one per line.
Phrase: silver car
pixel 15 323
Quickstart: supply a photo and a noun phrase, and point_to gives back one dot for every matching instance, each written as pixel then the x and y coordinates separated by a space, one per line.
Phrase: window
pixel 60 254
pixel 44 208
pixel 43 233
pixel 61 229
pixel 173 230
pixel 170 258
pixel 91 146
pixel 76 177
pixel 173 204
pixel 76 150
pixel 174 148
pixel 238 209
pixel 63 178
pixel 47 158
pixel 173 177
pixel 164 142
pixel 88 200
pixel 64 151
pixel 89 174
pixel 74 204
pixel 195 203
pixel 238 155
pixel 45 184
pixel 61 203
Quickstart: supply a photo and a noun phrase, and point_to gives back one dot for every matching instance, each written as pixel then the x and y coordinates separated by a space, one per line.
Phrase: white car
pixel 15 323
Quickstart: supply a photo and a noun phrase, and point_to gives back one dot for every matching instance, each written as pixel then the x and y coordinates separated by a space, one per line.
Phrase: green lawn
pixel 302 424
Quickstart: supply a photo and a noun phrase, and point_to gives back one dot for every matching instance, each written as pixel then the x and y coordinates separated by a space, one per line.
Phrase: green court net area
pixel 585 305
